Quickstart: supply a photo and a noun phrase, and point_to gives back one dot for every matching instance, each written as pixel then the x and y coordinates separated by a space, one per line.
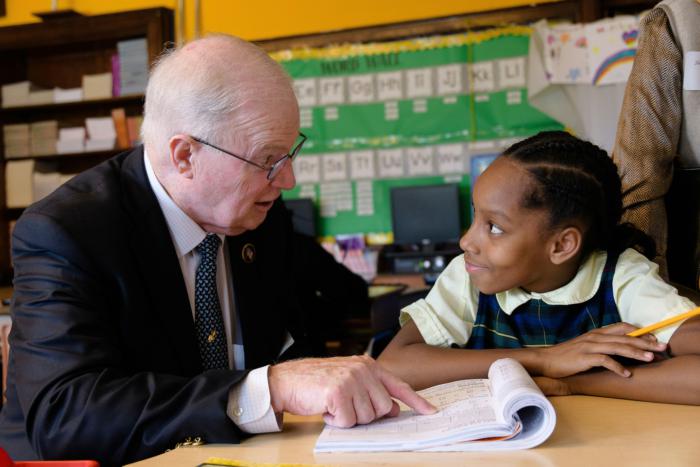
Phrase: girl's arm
pixel 422 365
pixel 674 380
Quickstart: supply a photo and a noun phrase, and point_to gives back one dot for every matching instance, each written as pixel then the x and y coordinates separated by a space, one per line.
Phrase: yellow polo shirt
pixel 446 316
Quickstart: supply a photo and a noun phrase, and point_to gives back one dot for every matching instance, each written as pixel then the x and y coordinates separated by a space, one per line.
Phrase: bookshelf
pixel 57 52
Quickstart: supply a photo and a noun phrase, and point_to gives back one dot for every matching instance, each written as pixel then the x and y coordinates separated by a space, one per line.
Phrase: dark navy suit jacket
pixel 104 362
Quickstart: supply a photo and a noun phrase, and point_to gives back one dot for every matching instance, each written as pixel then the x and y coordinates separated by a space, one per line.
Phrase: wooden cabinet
pixel 57 53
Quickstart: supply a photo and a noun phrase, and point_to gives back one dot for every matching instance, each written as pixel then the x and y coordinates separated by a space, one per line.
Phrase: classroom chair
pixel 384 317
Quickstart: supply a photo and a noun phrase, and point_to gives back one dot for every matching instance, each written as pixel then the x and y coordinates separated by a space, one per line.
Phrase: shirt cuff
pixel 249 404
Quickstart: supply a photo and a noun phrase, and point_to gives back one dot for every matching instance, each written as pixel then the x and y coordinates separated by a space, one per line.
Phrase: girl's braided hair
pixel 576 180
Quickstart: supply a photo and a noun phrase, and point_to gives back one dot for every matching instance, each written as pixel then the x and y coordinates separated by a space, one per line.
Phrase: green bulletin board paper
pixel 403 113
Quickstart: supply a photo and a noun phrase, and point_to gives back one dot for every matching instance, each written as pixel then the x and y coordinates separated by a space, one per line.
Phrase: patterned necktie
pixel 208 321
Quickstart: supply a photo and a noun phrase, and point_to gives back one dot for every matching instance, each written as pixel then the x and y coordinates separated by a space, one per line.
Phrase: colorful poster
pixel 612 44
pixel 566 54
pixel 599 53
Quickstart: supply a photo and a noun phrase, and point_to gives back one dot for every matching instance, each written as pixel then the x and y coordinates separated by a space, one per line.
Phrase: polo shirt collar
pixel 581 288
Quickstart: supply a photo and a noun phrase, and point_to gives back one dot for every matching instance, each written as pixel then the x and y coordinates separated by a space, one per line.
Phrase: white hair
pixel 198 89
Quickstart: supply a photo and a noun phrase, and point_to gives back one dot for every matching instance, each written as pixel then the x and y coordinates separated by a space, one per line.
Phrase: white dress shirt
pixel 249 401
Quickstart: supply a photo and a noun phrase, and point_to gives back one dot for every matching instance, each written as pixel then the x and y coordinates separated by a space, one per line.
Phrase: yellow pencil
pixel 665 322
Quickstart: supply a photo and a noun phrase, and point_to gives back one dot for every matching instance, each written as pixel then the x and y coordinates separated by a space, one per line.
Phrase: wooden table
pixel 590 431
pixel 411 281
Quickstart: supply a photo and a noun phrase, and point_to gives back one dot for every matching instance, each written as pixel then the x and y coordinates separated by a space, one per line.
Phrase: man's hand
pixel 594 349
pixel 346 390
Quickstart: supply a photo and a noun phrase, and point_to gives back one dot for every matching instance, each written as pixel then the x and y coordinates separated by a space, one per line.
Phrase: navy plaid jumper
pixel 537 324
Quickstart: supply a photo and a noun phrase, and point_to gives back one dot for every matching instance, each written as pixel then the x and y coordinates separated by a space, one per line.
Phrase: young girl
pixel 548 278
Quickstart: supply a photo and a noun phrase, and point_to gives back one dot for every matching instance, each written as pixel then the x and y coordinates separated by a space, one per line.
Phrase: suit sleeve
pixel 79 395
pixel 649 130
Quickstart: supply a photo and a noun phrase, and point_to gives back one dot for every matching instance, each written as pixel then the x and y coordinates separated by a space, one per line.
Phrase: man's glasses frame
pixel 272 169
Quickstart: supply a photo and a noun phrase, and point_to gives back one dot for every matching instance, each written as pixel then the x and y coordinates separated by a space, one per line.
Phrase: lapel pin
pixel 248 253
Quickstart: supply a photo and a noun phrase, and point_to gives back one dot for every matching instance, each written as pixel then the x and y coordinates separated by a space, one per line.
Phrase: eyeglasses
pixel 272 169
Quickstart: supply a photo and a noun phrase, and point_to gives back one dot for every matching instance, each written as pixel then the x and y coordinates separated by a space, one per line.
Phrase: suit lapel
pixel 254 292
pixel 158 263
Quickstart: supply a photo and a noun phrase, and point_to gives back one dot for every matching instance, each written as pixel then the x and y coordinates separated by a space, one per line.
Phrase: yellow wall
pixel 272 18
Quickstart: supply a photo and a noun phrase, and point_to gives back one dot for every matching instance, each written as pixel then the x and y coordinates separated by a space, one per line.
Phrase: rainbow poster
pixel 612 44
pixel 599 53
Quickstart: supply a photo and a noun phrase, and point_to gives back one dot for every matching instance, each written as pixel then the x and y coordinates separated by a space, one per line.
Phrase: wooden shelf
pixel 75 105
pixel 57 53
pixel 57 157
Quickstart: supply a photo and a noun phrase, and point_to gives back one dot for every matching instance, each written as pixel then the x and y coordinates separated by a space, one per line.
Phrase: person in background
pixel 154 294
pixel 551 278
pixel 657 145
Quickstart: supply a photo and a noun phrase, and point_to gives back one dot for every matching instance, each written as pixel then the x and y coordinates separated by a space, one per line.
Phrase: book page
pixel 466 411
pixel 508 377
pixel 507 411
pixel 517 395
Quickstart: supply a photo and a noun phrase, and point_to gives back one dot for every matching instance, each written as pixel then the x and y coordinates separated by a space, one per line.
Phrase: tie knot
pixel 209 246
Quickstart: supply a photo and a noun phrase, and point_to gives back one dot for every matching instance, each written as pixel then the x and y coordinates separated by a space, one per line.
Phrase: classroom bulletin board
pixel 412 112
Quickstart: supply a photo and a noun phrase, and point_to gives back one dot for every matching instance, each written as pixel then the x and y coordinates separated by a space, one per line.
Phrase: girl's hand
pixel 594 349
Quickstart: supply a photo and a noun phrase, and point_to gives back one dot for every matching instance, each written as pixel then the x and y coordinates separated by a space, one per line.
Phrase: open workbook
pixel 504 412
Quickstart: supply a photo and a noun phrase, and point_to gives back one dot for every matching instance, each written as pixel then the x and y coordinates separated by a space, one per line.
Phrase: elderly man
pixel 148 286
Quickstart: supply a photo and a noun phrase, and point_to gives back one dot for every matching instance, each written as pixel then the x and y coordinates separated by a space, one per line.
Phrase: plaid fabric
pixel 537 324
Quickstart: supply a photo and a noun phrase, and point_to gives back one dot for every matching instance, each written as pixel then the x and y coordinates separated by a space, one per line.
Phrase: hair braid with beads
pixel 576 180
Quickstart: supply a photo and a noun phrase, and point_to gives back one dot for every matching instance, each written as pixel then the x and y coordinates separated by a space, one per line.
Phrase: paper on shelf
pixel 71 140
pixel 70 146
pixel 42 96
pixel 74 133
pixel 99 144
pixel 16 140
pixel 67 95
pixel 19 183
pixel 15 94
pixel 100 128
pixel 43 136
pixel 98 86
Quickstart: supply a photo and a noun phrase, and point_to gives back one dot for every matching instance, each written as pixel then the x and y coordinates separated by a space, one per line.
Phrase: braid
pixel 576 180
